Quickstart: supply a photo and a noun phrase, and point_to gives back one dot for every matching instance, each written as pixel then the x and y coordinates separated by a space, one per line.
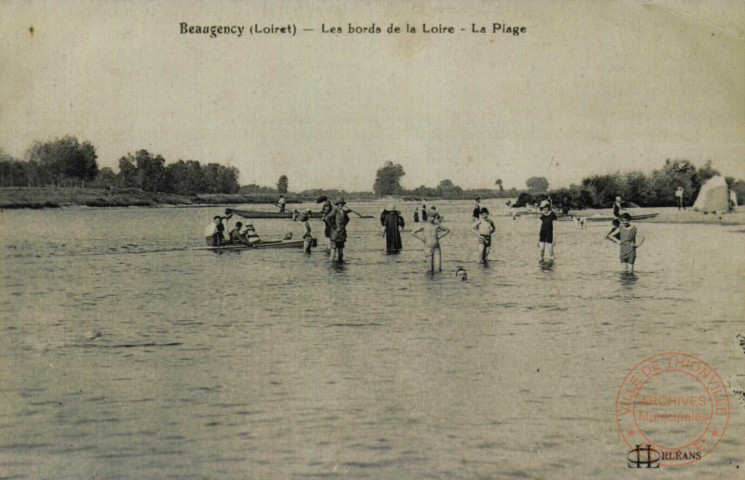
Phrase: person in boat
pixel 416 214
pixel 476 214
pixel 629 240
pixel 546 234
pixel 484 228
pixel 325 210
pixel 392 223
pixel 307 235
pixel 337 220
pixel 215 231
pixel 281 203
pixel 251 234
pixel 433 233
pixel 236 236
pixel 424 213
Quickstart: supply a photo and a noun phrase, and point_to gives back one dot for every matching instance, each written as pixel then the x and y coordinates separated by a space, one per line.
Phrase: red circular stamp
pixel 674 408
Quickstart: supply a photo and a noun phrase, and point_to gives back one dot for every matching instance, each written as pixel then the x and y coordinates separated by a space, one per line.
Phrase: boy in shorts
pixel 484 228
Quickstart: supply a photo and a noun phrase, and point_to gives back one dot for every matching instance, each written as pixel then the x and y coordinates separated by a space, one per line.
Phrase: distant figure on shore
pixel 424 213
pixel 679 198
pixel 392 223
pixel 476 210
pixel 617 207
pixel 215 231
pixel 236 236
pixel 484 228
pixel 307 236
pixel 546 235
pixel 433 212
pixel 416 214
pixel 626 237
pixel 432 237
pixel 325 210
pixel 281 203
pixel 337 220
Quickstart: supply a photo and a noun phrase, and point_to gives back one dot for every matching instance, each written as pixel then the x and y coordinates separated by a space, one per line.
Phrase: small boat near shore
pixel 291 215
pixel 267 214
pixel 264 244
pixel 609 218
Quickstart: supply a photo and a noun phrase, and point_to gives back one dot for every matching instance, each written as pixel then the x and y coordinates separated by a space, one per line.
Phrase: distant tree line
pixel 67 162
pixel 656 189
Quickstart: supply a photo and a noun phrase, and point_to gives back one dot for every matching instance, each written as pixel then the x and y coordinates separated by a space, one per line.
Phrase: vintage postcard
pixel 384 240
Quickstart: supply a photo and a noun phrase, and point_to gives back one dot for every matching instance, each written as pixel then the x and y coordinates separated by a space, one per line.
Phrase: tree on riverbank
pixel 60 162
pixel 388 179
pixel 282 184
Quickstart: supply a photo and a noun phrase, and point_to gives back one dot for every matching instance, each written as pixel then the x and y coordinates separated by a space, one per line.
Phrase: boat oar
pixel 361 216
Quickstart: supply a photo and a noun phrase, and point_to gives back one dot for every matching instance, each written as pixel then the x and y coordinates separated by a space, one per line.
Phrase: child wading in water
pixel 546 235
pixel 431 240
pixel 484 227
pixel 626 236
pixel 307 235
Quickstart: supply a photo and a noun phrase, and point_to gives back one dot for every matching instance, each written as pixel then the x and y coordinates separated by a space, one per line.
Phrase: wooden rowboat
pixel 609 218
pixel 288 215
pixel 267 214
pixel 260 245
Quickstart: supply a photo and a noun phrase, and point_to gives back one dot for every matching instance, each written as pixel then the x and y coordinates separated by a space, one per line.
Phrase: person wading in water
pixel 392 223
pixel 337 221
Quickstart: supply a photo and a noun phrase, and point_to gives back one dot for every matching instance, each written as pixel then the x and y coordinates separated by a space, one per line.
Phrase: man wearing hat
pixel 392 223
pixel 337 221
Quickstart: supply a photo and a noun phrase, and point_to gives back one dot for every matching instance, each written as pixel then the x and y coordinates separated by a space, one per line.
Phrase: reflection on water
pixel 125 354
pixel 627 279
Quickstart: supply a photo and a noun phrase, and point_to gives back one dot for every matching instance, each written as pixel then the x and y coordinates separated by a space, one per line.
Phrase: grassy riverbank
pixel 53 197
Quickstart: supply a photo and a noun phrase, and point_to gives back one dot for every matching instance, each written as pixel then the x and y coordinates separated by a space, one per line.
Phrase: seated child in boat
pixel 251 235
pixel 215 231
pixel 236 236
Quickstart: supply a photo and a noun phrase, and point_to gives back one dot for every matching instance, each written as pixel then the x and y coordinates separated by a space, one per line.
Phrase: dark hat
pixel 626 216
pixel 238 224
pixel 484 210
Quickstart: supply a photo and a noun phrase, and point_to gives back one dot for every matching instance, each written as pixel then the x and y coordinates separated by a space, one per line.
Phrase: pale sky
pixel 591 87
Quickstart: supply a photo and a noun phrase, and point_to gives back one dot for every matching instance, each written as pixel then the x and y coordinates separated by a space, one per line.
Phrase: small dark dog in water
pixel 461 272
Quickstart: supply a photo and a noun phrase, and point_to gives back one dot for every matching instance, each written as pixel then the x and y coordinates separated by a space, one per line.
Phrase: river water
pixel 127 355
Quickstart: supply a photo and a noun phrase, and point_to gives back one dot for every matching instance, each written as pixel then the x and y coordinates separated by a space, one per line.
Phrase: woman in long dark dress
pixel 392 223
